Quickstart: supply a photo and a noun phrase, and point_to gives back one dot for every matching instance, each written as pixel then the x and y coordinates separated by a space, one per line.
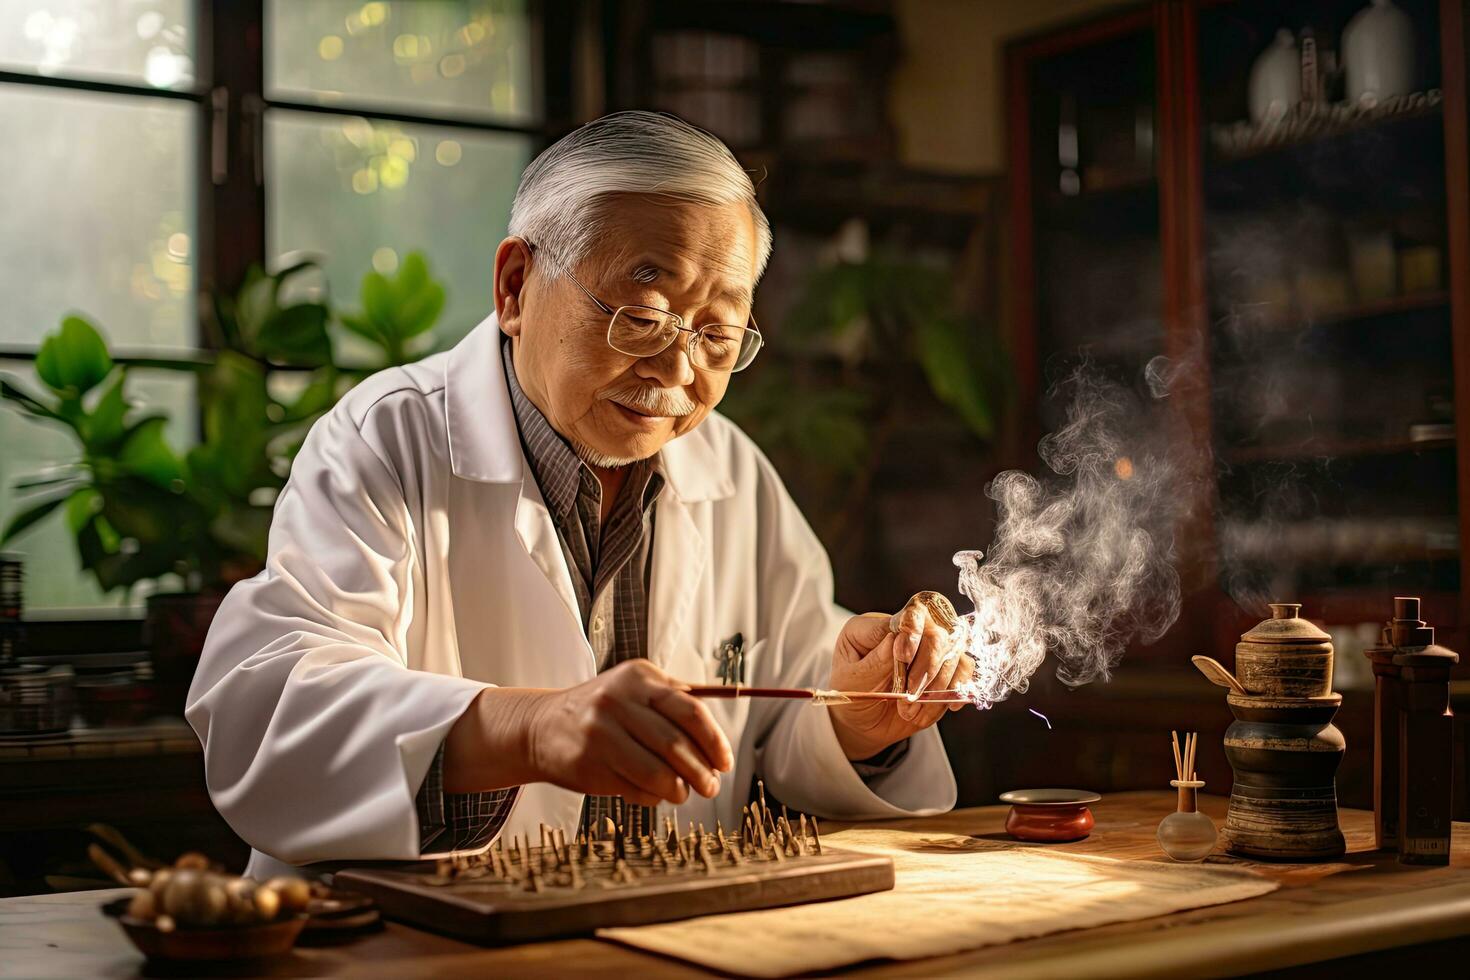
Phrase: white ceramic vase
pixel 1275 80
pixel 1378 53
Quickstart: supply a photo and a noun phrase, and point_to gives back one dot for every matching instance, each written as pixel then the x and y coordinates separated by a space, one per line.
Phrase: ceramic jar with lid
pixel 1285 656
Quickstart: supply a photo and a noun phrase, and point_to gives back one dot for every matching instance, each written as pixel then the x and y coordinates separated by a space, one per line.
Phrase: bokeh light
pixel 385 260
pixel 406 47
pixel 392 171
pixel 150 22
pixel 448 152
pixel 373 14
pixel 455 57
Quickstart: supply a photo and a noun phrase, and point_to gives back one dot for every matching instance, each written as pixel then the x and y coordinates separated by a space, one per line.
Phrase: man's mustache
pixel 664 402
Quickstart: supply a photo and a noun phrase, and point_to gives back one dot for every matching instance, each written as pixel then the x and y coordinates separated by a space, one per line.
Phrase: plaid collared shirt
pixel 610 566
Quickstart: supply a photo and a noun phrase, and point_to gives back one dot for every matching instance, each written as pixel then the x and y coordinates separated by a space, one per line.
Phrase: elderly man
pixel 494 572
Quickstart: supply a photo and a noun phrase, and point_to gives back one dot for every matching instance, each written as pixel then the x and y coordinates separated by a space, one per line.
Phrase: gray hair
pixel 559 204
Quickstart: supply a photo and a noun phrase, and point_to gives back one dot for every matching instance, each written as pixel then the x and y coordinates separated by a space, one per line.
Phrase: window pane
pixel 150 42
pixel 361 194
pixel 54 578
pixel 98 205
pixel 451 57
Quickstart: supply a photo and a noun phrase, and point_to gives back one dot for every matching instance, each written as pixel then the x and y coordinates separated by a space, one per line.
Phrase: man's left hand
pixel 863 661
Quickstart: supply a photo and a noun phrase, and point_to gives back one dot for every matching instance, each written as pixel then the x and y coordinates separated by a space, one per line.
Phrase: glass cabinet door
pixel 1325 245
pixel 1095 206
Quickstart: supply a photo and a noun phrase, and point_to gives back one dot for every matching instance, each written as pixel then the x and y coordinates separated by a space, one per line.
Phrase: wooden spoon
pixel 1215 671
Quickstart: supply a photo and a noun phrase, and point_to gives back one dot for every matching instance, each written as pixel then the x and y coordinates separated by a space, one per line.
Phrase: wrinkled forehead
pixel 687 245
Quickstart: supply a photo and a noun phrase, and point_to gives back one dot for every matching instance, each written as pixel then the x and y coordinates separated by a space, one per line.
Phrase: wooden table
pixel 1357 907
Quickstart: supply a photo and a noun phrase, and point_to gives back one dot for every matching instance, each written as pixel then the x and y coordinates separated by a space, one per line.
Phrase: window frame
pixel 231 182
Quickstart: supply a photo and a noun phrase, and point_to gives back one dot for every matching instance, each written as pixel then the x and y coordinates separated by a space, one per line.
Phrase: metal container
pixel 1285 753
pixel 36 699
pixel 1285 656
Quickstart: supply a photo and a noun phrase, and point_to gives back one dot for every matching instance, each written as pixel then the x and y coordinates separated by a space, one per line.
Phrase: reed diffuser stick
pixel 1185 778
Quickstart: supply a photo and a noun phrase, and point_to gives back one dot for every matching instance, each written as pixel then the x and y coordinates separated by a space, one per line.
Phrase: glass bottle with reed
pixel 1187 834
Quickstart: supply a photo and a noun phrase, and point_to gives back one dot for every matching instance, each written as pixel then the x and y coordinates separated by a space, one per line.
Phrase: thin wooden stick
pixel 1178 764
pixel 817 694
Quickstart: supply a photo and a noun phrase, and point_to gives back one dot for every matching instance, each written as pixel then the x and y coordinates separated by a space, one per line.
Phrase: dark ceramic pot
pixel 1285 753
pixel 175 626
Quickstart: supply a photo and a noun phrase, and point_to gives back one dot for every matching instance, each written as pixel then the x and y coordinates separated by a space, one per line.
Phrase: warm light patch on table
pixel 952 893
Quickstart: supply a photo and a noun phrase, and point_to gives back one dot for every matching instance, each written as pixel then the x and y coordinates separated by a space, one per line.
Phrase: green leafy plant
pixel 398 311
pixel 880 308
pixel 124 497
pixel 138 508
pixel 827 397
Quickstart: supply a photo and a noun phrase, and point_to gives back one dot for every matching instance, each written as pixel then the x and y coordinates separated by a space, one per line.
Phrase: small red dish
pixel 1049 816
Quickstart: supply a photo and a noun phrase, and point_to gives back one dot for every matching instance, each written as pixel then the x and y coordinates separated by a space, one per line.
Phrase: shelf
pixel 1130 193
pixel 1127 350
pixel 1351 605
pixel 1331 450
pixel 1117 185
pixel 1296 559
pixel 1330 542
pixel 782 23
pixel 1319 130
pixel 808 190
pixel 1392 306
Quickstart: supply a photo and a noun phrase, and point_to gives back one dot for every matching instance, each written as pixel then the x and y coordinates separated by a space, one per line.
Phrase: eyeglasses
pixel 647 331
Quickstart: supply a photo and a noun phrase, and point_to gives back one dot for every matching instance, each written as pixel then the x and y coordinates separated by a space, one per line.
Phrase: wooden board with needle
pixel 519 892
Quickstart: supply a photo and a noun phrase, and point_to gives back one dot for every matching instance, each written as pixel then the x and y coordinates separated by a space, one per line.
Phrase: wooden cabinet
pixel 1311 272
pixel 1313 276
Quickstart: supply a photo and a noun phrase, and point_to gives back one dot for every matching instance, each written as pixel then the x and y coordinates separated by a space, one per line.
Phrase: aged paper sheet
pixel 952 893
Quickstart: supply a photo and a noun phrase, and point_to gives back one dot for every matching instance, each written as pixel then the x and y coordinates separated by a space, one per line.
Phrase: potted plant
pixel 839 382
pixel 139 509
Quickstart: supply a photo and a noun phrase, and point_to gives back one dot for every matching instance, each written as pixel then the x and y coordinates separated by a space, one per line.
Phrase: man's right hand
pixel 630 731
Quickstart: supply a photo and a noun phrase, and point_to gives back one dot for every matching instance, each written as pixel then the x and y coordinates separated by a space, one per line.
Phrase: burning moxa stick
pixel 818 695
pixel 936 608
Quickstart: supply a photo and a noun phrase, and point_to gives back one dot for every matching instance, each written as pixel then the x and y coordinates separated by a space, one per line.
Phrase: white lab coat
pixel 413 563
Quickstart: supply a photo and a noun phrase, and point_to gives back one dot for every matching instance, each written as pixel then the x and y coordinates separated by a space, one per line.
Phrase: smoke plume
pixel 1083 558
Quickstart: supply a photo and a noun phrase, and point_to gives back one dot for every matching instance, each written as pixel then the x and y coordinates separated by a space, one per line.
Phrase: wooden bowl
pixel 1049 816
pixel 224 943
